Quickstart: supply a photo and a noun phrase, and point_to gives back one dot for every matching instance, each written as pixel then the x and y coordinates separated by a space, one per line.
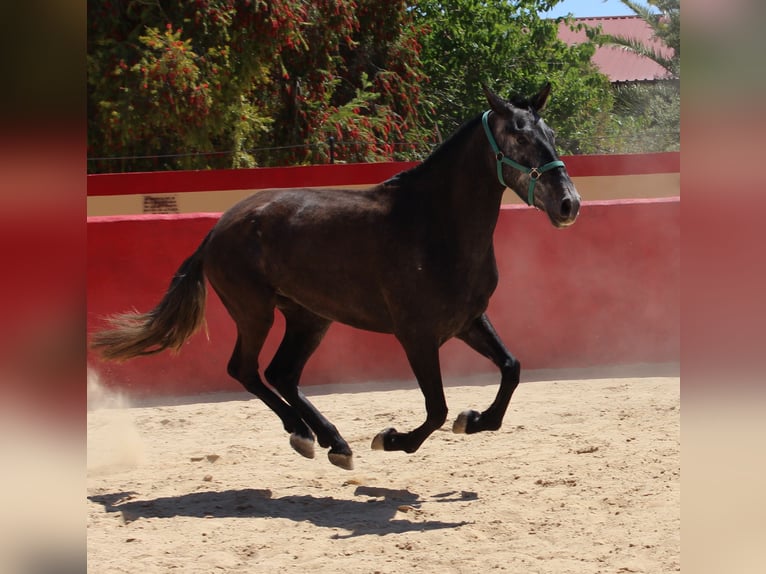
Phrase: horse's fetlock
pixel 494 425
pixel 438 419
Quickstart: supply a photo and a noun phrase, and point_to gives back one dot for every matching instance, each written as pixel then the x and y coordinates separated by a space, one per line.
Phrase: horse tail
pixel 178 315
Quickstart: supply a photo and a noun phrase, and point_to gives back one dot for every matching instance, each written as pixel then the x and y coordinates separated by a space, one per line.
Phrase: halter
pixel 534 172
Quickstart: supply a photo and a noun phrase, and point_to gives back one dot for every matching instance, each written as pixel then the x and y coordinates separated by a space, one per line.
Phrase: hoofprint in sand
pixel 584 477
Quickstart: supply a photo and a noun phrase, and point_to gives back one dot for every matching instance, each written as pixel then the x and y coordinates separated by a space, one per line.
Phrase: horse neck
pixel 467 199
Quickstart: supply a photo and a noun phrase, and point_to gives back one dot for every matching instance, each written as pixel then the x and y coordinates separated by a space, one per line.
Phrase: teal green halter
pixel 534 172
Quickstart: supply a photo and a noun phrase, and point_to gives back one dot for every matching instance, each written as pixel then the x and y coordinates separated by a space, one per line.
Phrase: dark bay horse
pixel 412 256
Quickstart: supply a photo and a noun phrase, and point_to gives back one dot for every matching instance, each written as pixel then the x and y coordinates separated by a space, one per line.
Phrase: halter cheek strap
pixel 534 172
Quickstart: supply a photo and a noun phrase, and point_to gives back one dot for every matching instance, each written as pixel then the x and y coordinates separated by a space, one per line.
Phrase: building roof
pixel 619 64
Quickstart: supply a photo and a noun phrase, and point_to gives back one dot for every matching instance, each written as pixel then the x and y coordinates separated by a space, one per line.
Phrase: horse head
pixel 526 157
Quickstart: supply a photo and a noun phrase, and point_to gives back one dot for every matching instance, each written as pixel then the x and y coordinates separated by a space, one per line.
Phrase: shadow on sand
pixel 375 514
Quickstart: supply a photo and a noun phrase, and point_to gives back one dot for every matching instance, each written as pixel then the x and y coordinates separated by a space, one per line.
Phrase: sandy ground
pixel 584 477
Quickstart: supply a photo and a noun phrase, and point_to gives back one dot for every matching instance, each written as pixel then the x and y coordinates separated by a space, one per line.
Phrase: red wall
pixel 603 292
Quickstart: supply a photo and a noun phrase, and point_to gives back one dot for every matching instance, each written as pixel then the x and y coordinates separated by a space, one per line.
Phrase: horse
pixel 412 256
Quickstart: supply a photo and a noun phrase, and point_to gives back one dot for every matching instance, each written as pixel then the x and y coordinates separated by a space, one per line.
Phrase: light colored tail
pixel 177 317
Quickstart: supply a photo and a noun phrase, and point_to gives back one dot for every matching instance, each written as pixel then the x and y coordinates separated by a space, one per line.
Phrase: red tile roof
pixel 618 64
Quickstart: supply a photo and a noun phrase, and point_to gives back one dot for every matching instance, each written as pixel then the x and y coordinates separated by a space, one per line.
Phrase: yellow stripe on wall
pixel 590 189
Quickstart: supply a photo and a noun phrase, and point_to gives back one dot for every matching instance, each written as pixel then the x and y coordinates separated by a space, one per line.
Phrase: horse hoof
pixel 461 422
pixel 345 461
pixel 378 443
pixel 302 445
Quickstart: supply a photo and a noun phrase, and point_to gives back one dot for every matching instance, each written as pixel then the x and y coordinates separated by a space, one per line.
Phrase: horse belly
pixel 343 302
pixel 337 278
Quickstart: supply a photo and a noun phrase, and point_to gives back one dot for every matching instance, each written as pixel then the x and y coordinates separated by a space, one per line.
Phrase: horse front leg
pixel 424 360
pixel 481 337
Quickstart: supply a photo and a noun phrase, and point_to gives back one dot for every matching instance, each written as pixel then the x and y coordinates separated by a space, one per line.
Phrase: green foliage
pixel 206 83
pixel 648 117
pixel 176 79
pixel 511 48
pixel 359 82
pixel 237 83
pixel 668 25
pixel 363 129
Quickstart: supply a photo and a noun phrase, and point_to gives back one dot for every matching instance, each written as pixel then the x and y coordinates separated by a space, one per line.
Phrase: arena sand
pixel 584 477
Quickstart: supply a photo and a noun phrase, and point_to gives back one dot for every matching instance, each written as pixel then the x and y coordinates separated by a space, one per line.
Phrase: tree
pixel 648 117
pixel 175 79
pixel 204 83
pixel 356 77
pixel 510 47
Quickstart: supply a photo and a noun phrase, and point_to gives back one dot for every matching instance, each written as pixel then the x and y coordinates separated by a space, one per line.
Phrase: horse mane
pixel 444 149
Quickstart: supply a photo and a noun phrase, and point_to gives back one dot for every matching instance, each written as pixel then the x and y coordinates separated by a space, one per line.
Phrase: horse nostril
pixel 566 207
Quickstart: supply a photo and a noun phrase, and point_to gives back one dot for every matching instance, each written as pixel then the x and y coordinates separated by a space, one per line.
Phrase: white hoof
pixel 461 422
pixel 378 441
pixel 302 445
pixel 345 461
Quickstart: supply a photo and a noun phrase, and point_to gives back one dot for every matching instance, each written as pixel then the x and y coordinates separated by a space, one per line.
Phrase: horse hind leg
pixel 243 366
pixel 303 332
pixel 250 301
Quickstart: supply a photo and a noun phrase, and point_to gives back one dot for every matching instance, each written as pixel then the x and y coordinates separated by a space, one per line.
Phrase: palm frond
pixel 644 12
pixel 633 45
pixel 637 47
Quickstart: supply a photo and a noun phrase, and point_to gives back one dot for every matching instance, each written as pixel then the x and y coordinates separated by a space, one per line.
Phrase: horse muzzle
pixel 565 212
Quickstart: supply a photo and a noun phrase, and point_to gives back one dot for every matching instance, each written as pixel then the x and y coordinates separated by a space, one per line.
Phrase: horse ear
pixel 538 101
pixel 496 103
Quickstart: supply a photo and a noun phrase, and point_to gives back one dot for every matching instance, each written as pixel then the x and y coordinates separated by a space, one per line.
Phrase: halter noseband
pixel 534 172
